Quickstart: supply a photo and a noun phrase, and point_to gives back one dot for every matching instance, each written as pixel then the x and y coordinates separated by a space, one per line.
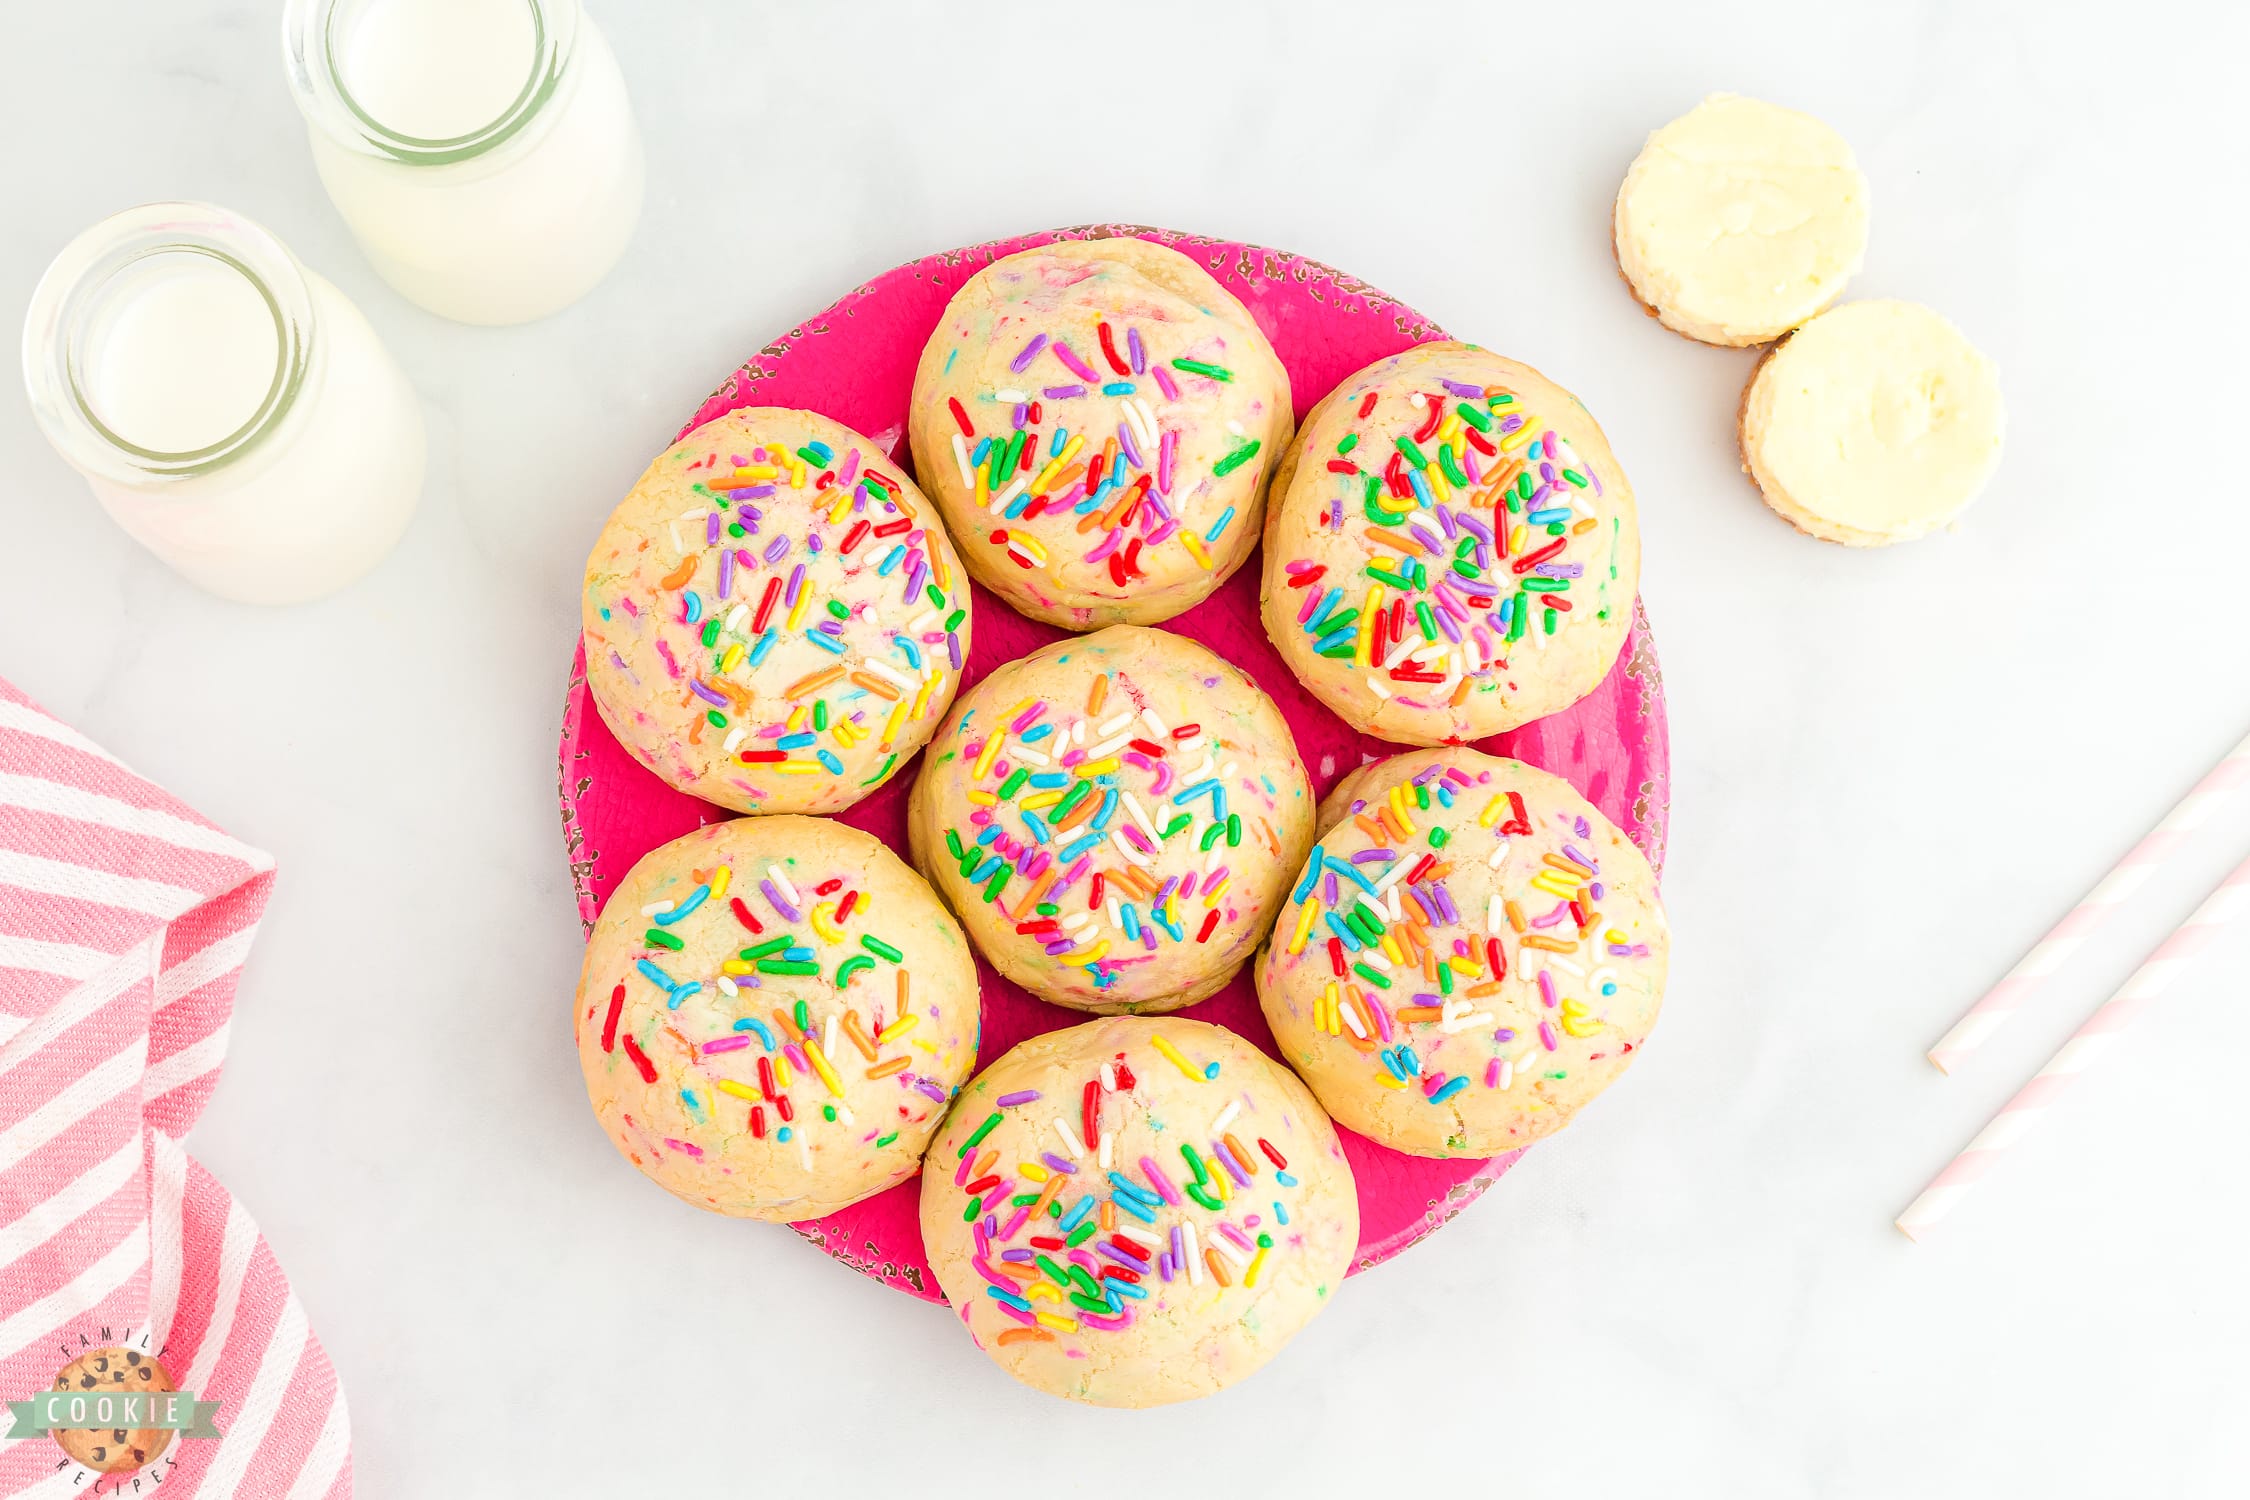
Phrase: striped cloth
pixel 124 919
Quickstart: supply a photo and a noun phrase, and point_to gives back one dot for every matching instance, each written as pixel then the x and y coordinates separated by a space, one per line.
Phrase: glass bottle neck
pixel 168 342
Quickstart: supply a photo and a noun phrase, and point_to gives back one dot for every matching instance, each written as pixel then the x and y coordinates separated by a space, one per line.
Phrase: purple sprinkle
pixel 1058 1163
pixel 777 549
pixel 726 572
pixel 1466 392
pixel 1128 447
pixel 1022 414
pixel 1063 392
pixel 953 648
pixel 1020 1096
pixel 696 683
pixel 788 913
pixel 1022 361
pixel 711 529
pixel 795 586
pixel 1135 355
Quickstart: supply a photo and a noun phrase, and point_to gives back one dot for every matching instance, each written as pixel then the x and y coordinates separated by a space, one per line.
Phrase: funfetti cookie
pixel 1114 818
pixel 773 1015
pixel 1137 1211
pixel 1452 549
pixel 774 621
pixel 1098 420
pixel 1470 955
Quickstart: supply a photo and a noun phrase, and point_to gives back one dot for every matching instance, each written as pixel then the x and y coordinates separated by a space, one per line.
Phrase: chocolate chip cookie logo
pixel 114 1409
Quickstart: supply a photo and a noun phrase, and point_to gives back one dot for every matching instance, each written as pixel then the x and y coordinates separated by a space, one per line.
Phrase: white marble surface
pixel 1891 769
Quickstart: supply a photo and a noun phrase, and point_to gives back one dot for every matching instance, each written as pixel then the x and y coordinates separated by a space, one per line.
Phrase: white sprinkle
pixel 1235 427
pixel 1000 501
pixel 1075 920
pixel 1132 855
pixel 1110 726
pixel 1011 398
pixel 922 622
pixel 1155 725
pixel 1219 1243
pixel 1350 1014
pixel 1139 1237
pixel 961 457
pixel 1557 961
pixel 881 669
pixel 781 884
pixel 1499 854
pixel 696 514
pixel 1226 772
pixel 804 1151
pixel 1133 806
pixel 654 907
pixel 1226 1117
pixel 828 1040
pixel 1115 918
pixel 728 986
pixel 844 1114
pixel 677 545
pixel 1395 874
pixel 1028 756
pixel 1377 688
pixel 1507 1073
pixel 1468 1022
pixel 1414 399
pixel 1069 1137
pixel 1108 1151
pixel 1109 1078
pixel 1194 1261
pixel 734 616
pixel 1496 919
pixel 1107 747
pixel 734 739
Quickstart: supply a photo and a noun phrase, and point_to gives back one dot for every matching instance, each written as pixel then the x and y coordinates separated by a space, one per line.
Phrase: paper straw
pixel 2019 1114
pixel 1985 1017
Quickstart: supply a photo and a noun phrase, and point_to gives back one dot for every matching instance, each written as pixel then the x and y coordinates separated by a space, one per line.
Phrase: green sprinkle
pixel 1234 830
pixel 714 718
pixel 991 1124
pixel 1177 826
pixel 1467 570
pixel 1198 367
pixel 734 528
pixel 1081 1234
pixel 1014 783
pixel 828 1111
pixel 1414 455
pixel 803 1012
pixel 810 457
pixel 1422 797
pixel 1452 466
pixel 1385 575
pixel 1546 585
pixel 1473 417
pixel 969 1214
pixel 1047 909
pixel 879 948
pixel 839 609
pixel 885 1140
pixel 820 713
pixel 1428 620
pixel 1575 477
pixel 1445 979
pixel 1090 1304
pixel 770 945
pixel 888 762
pixel 936 597
pixel 997 884
pixel 1373 976
pixel 1351 441
pixel 1054 1273
pixel 1236 459
pixel 657 937
pixel 1211 836
pixel 953 843
pixel 1438 838
pixel 787 966
pixel 710 632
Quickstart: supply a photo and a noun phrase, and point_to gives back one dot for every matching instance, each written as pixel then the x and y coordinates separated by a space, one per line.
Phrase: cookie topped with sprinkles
pixel 1471 954
pixel 773 1015
pixel 1452 549
pixel 774 619
pixel 1115 818
pixel 1099 420
pixel 1137 1210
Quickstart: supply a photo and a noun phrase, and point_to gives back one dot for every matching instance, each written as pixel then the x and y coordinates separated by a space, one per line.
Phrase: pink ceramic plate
pixel 855 363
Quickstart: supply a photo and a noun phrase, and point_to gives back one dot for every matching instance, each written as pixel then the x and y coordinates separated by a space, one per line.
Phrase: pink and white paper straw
pixel 1984 1018
pixel 2018 1115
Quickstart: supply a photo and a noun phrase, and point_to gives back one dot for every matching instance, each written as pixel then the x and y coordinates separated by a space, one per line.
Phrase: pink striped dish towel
pixel 124 919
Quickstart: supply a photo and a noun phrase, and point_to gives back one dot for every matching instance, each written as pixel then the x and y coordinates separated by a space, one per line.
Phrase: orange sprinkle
pixel 1405 544
pixel 1109 1216
pixel 1248 1159
pixel 1098 694
pixel 812 684
pixel 1417 1013
pixel 875 685
pixel 679 576
pixel 1515 915
pixel 1491 987
pixel 886 1069
pixel 1211 1259
pixel 1542 941
pixel 858 1035
pixel 1025 1336
pixel 1564 863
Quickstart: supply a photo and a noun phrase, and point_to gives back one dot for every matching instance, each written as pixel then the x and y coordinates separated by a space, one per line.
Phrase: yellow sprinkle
pixel 984 490
pixel 1178 1061
pixel 1059 1324
pixel 1092 956
pixel 797 474
pixel 1519 539
pixel 1492 811
pixel 824 924
pixel 1033 1170
pixel 738 966
pixel 1042 799
pixel 797 610
pixel 783 1076
pixel 1614 936
pixel 733 655
pixel 738 1090
pixel 1391 950
pixel 1521 437
pixel 985 799
pixel 1363 648
pixel 897 1029
pixel 820 1066
pixel 1305 919
pixel 1088 770
pixel 1211 896
pixel 800 767
pixel 719 879
pixel 989 754
pixel 1387 1081
pixel 1257 1263
pixel 1460 965
pixel 892 724
pixel 797 718
pixel 841 509
pixel 922 699
pixel 1195 550
pixel 1577 1020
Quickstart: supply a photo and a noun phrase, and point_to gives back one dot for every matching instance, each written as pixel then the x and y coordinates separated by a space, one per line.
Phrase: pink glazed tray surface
pixel 855 362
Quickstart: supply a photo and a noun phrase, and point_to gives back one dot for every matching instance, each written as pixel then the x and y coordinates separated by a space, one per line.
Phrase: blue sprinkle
pixel 752 1023
pixel 1551 514
pixel 1312 874
pixel 1285 1180
pixel 799 740
pixel 1448 1090
pixel 759 652
pixel 907 648
pixel 784 1135
pixel 1421 488
pixel 667 918
pixel 890 561
pixel 1078 1210
pixel 828 759
pixel 1071 851
pixel 976 458
pixel 694 602
pixel 692 987
pixel 1219 525
pixel 1340 636
pixel 655 976
pixel 1280 1214
pixel 1013 1301
pixel 825 642
pixel 1118 388
pixel 1133 1206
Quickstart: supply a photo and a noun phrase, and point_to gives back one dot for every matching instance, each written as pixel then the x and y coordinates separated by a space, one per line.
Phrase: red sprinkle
pixel 1422 867
pixel 1033 415
pixel 1401 674
pixel 854 537
pixel 844 907
pixel 1498 958
pixel 1210 920
pixel 1336 955
pixel 743 915
pixel 893 528
pixel 765 1078
pixel 1146 747
pixel 1091 1112
pixel 1430 423
pixel 609 1022
pixel 1342 466
pixel 961 416
pixel 758 1121
pixel 828 887
pixel 1310 575
pixel 1530 560
pixel 1046 1242
pixel 782 1104
pixel 1555 601
pixel 1109 351
pixel 760 757
pixel 765 604
pixel 1124 1074
pixel 1186 730
pixel 1478 442
pixel 1122 1273
pixel 1094 897
pixel 1366 406
pixel 640 1058
pixel 981 1186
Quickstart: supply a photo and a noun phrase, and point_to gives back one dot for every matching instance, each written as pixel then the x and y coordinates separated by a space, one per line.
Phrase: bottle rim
pixel 310 32
pixel 77 287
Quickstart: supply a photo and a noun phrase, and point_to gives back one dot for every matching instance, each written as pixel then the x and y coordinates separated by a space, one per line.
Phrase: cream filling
pixel 1740 220
pixel 1879 418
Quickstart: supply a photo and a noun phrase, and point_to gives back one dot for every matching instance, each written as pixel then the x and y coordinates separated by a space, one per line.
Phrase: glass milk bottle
pixel 232 410
pixel 483 151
